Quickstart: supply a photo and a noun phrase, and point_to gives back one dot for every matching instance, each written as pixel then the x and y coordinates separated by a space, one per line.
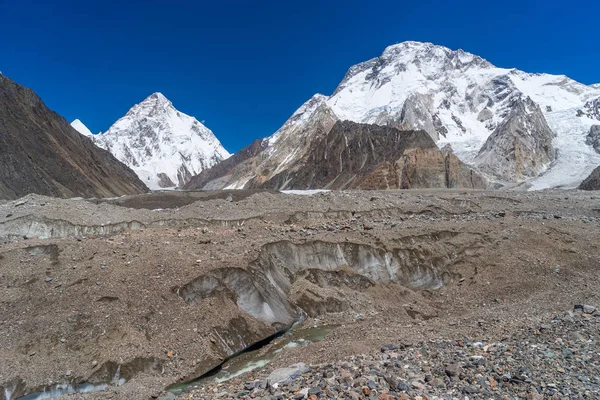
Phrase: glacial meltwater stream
pixel 254 357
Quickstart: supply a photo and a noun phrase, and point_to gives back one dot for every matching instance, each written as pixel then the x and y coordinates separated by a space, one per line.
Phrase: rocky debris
pixel 520 147
pixel 557 358
pixel 114 295
pixel 593 138
pixel 592 182
pixel 41 153
pixel 363 156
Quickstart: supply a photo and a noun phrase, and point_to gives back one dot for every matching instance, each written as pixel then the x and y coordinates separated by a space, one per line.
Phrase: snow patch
pixel 81 128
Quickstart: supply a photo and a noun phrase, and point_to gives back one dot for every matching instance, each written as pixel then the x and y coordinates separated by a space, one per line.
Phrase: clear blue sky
pixel 245 66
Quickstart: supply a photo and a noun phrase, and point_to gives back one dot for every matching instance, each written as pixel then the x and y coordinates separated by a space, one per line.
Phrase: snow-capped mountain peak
pixel 460 99
pixel 535 124
pixel 81 128
pixel 164 146
pixel 154 104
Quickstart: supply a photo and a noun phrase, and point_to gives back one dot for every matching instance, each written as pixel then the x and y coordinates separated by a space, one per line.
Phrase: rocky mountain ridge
pixel 393 159
pixel 41 153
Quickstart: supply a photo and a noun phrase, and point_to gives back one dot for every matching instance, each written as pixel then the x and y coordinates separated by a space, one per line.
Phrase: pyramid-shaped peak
pixel 157 97
pixel 153 105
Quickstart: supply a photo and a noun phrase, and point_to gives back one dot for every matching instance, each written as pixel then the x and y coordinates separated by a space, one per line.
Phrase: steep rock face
pixel 593 138
pixel 417 114
pixel 263 160
pixel 41 153
pixel 520 147
pixel 231 169
pixel 164 146
pixel 363 156
pixel 592 182
pixel 459 99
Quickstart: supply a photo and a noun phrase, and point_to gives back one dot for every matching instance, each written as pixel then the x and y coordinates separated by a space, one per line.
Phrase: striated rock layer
pixel 363 156
pixel 41 153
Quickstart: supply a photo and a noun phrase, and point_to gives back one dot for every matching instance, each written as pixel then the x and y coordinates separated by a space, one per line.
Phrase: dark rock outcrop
pixel 591 109
pixel 41 153
pixel 363 156
pixel 592 182
pixel 224 170
pixel 593 138
pixel 261 161
pixel 521 146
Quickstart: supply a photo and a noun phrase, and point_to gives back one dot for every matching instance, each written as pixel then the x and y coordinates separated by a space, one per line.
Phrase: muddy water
pixel 256 358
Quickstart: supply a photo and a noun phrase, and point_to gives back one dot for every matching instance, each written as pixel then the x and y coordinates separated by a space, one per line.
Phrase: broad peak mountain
pixel 164 146
pixel 459 99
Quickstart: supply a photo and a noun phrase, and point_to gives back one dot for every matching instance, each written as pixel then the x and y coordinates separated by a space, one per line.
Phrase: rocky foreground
pixel 554 359
pixel 136 294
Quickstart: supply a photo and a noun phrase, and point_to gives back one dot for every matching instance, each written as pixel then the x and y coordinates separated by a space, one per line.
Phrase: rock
pixel 534 396
pixel 521 146
pixel 584 309
pixel 593 138
pixel 368 227
pixel 592 109
pixel 453 370
pixel 592 182
pixel 417 114
pixel 42 153
pixel 48 279
pixel 284 375
pixel 470 389
pixel 388 347
pixel 438 383
pixel 250 385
